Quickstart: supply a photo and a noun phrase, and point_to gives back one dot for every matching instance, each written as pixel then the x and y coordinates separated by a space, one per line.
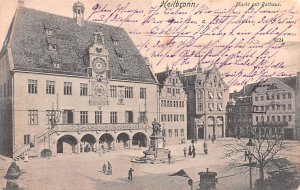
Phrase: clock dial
pixel 99 65
pixel 98 50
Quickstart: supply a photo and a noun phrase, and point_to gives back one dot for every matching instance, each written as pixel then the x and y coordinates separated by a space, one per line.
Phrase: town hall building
pixel 68 85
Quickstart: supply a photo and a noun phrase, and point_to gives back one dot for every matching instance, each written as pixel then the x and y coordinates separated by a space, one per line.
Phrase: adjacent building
pixel 269 107
pixel 68 86
pixel 207 96
pixel 172 106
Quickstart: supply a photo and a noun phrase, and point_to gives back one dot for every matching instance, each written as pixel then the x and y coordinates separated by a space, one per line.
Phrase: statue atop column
pixel 156 128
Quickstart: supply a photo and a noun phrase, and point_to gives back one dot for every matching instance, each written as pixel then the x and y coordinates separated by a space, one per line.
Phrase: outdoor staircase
pixel 20 153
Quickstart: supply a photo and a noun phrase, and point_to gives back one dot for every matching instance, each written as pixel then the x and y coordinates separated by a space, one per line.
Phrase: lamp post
pixel 248 153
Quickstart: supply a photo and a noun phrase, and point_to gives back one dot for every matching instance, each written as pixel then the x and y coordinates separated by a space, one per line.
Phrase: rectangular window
pixel 83 89
pixel 128 117
pixel 169 90
pixel 220 107
pixel 262 98
pixel 290 118
pixel 211 106
pixel 50 87
pixel 176 117
pixel 284 118
pixel 83 117
pixel 278 96
pixel 283 96
pixel 290 106
pixel 284 107
pixel 143 93
pixel 278 118
pixel 26 139
pixel 32 86
pixel 98 116
pixel 182 132
pixel 176 132
pixel 50 116
pixel 128 92
pixel 200 107
pixel 143 118
pixel 289 95
pixel 67 88
pixel 113 91
pixel 256 98
pixel 161 103
pixel 256 118
pixel 113 117
pixel 273 118
pixel 170 132
pixel 278 107
pixel 32 117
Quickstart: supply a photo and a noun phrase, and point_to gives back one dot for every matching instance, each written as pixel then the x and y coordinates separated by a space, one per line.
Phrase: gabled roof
pixel 291 81
pixel 30 52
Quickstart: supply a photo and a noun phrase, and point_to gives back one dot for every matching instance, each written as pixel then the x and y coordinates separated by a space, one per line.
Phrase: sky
pixel 290 54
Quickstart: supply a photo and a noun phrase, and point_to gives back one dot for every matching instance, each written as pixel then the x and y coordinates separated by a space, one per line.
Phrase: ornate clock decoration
pixel 99 65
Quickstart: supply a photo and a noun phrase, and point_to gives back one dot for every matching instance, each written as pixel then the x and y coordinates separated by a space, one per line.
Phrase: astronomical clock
pixel 98 70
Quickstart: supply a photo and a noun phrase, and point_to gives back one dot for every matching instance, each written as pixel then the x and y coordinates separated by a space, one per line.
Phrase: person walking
pixel 169 157
pixel 184 151
pixel 109 169
pixel 104 168
pixel 130 174
pixel 190 150
pixel 205 147
pixel 194 152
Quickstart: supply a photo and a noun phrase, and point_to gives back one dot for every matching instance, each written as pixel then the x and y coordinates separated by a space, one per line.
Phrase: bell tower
pixel 99 74
pixel 78 13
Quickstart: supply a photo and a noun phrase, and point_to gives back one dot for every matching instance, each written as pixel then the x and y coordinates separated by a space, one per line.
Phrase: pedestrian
pixel 109 169
pixel 209 136
pixel 184 151
pixel 190 150
pixel 194 152
pixel 212 139
pixel 205 147
pixel 130 174
pixel 169 157
pixel 104 168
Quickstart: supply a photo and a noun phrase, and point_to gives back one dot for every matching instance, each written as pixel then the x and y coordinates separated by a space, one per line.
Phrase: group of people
pixel 192 150
pixel 107 170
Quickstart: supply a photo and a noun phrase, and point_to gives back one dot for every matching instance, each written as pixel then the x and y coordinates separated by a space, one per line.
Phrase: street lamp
pixel 249 153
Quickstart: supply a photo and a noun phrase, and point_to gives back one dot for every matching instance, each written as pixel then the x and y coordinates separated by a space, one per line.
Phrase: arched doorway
pixel 66 144
pixel 201 132
pixel 123 139
pixel 87 143
pixel 139 139
pixel 106 141
pixel 46 153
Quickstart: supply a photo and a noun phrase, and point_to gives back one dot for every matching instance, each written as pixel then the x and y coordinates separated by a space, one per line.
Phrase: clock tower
pixel 98 70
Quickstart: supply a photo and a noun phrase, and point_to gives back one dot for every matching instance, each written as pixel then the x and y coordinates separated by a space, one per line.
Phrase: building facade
pixel 206 103
pixel 172 106
pixel 274 108
pixel 69 85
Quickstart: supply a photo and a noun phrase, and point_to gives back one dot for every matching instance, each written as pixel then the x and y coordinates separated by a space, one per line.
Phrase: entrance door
pixel 201 132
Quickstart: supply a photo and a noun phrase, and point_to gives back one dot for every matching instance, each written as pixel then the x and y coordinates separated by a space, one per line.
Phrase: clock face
pixel 99 65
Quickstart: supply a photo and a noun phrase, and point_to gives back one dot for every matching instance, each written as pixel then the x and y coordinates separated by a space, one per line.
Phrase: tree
pixel 265 150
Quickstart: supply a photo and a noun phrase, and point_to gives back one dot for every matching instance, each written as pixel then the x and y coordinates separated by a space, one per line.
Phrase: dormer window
pixel 125 71
pixel 52 47
pixel 49 32
pixel 56 64
pixel 120 55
